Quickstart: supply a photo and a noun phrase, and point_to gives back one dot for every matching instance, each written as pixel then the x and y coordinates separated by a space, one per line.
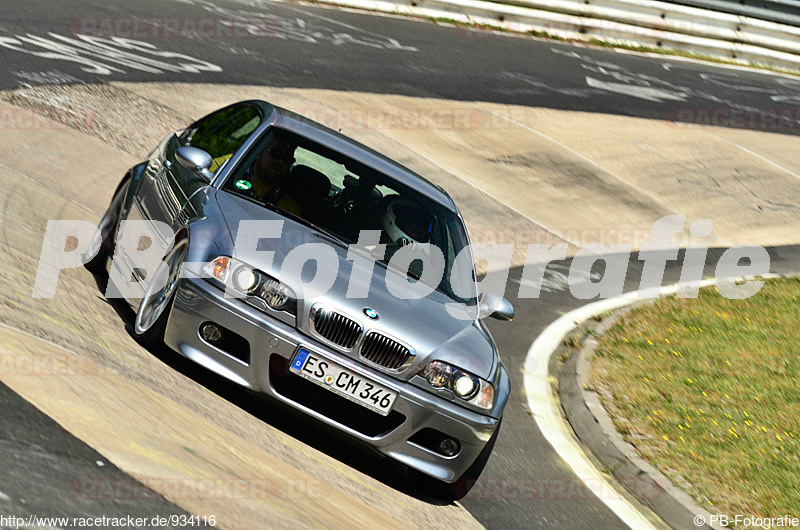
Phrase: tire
pixel 450 492
pixel 153 313
pixel 104 240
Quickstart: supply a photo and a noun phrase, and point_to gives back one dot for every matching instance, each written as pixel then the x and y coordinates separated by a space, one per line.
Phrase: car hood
pixel 424 324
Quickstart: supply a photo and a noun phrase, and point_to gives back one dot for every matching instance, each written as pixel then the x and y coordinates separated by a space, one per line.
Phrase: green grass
pixel 707 390
pixel 477 26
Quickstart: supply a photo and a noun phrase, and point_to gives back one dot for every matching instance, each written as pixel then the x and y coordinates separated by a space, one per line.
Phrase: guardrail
pixel 672 18
pixel 782 11
pixel 648 23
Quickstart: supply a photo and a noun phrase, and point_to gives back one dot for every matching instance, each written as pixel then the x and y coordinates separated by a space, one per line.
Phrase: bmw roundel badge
pixel 371 313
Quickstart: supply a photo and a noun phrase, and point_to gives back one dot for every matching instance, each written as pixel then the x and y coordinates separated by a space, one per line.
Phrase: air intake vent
pixel 385 352
pixel 336 327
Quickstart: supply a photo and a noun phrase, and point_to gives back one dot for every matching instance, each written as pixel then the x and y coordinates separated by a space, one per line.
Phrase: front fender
pixel 134 176
pixel 502 388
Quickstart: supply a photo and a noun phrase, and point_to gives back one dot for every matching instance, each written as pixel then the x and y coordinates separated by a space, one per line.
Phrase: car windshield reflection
pixel 342 197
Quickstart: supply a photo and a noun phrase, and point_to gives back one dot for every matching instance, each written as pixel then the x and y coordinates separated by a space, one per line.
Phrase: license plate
pixel 343 382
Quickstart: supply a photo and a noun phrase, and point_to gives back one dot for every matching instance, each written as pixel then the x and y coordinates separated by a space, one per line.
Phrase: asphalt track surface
pixel 308 47
pixel 312 47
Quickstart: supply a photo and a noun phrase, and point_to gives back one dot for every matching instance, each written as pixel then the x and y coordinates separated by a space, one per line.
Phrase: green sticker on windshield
pixel 243 184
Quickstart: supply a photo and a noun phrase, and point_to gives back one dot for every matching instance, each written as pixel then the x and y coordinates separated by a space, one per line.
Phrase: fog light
pixel 449 447
pixel 211 333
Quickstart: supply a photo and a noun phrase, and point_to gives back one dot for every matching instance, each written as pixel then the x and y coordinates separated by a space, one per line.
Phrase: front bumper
pixel 271 344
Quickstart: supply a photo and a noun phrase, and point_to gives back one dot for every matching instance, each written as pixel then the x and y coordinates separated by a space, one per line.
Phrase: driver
pixel 267 179
pixel 407 225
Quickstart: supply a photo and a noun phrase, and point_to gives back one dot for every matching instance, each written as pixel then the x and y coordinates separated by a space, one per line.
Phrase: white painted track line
pixel 748 151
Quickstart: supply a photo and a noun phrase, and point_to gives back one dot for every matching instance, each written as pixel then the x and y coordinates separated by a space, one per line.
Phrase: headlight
pixel 233 275
pixel 276 294
pixel 438 373
pixel 245 279
pixel 466 386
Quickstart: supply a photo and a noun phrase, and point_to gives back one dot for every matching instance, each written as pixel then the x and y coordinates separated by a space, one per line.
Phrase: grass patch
pixel 707 390
pixel 476 26
pixel 545 35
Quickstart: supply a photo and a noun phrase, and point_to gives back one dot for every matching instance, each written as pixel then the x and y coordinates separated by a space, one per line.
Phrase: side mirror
pixel 195 160
pixel 495 306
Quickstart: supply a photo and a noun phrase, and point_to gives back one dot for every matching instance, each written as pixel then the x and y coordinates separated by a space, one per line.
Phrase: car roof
pixel 312 130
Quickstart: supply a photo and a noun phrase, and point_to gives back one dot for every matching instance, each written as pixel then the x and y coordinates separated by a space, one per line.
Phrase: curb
pixel 595 429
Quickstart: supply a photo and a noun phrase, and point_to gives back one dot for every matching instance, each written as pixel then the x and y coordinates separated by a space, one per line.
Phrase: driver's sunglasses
pixel 278 153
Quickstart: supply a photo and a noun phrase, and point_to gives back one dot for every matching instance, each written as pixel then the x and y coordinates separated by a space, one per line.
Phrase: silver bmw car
pixel 303 265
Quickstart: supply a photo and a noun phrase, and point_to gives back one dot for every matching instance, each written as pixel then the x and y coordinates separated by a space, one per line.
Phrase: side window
pixel 222 133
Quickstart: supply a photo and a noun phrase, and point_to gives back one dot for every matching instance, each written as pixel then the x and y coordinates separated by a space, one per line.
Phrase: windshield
pixel 342 197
